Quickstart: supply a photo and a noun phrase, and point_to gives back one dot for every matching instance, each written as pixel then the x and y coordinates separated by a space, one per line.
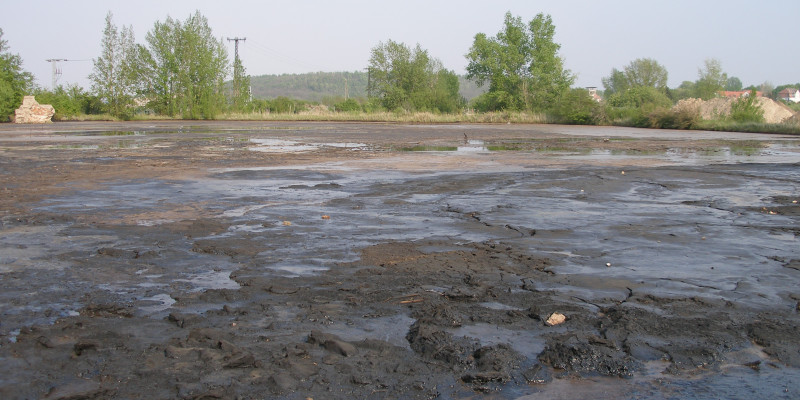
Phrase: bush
pixel 634 106
pixel 349 105
pixel 579 108
pixel 746 109
pixel 642 97
pixel 70 102
pixel 282 105
pixel 674 119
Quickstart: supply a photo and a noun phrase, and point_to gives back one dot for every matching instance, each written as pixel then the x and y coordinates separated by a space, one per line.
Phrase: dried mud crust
pixel 242 348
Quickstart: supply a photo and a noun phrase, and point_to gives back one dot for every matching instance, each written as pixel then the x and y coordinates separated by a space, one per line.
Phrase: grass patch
pixel 402 117
pixel 507 147
pixel 752 127
pixel 428 148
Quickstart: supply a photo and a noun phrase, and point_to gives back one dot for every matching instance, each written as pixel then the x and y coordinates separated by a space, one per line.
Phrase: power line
pixel 57 69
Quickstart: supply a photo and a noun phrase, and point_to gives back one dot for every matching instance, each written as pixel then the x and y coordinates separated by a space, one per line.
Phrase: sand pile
pixel 774 112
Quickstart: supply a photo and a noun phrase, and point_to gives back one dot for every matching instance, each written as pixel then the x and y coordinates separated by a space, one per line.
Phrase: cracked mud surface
pixel 218 260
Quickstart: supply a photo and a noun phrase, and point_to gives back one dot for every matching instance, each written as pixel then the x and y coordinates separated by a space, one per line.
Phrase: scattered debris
pixel 31 112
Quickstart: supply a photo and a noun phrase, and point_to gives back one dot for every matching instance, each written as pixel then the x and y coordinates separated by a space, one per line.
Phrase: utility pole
pixel 56 69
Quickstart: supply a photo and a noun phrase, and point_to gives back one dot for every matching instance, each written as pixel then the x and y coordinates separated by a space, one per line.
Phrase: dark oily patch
pixel 779 338
pixel 588 356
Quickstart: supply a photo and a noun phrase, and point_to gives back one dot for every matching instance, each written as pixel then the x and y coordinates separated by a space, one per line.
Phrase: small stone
pixel 556 319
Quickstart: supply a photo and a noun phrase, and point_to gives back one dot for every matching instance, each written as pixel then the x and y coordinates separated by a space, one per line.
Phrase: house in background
pixel 739 93
pixel 593 92
pixel 790 94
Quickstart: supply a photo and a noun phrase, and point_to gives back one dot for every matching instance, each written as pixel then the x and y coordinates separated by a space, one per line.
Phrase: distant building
pixel 739 93
pixel 790 94
pixel 593 92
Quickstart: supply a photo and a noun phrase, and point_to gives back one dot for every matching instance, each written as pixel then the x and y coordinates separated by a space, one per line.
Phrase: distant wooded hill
pixel 328 86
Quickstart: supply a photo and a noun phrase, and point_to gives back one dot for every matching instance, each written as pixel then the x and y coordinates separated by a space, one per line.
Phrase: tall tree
pixel 734 84
pixel 549 79
pixel 402 78
pixel 183 68
pixel 646 72
pixel 711 79
pixel 617 82
pixel 520 64
pixel 14 81
pixel 113 74
pixel 640 72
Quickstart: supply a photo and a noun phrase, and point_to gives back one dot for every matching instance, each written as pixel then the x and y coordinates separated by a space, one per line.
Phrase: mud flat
pixel 319 260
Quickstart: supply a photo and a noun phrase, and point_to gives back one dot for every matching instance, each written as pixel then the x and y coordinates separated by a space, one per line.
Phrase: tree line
pixel 180 71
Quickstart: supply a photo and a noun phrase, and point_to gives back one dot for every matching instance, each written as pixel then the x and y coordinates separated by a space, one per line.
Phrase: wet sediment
pixel 168 276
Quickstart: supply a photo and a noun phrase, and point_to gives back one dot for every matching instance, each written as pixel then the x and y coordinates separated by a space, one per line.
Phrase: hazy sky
pixel 754 40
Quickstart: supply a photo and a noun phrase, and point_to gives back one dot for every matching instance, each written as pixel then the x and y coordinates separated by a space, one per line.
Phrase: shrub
pixel 634 106
pixel 70 102
pixel 579 108
pixel 348 105
pixel 674 118
pixel 282 105
pixel 643 97
pixel 746 109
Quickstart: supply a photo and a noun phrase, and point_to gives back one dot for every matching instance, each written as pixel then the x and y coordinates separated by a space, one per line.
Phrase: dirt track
pixel 318 260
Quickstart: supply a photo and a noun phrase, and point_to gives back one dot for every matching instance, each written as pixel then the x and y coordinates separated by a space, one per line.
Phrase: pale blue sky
pixel 755 41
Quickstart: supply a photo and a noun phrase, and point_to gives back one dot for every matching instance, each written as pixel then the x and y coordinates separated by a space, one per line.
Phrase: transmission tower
pixel 236 45
pixel 236 62
pixel 56 69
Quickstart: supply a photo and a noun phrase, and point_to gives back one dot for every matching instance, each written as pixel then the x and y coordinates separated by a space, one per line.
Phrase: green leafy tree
pixel 734 84
pixel 410 79
pixel 640 72
pixel 14 81
pixel 711 80
pixel 616 82
pixel 183 67
pixel 646 72
pixel 520 64
pixel 684 91
pixel 113 74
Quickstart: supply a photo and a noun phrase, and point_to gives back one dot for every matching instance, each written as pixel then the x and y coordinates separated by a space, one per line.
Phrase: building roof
pixel 739 93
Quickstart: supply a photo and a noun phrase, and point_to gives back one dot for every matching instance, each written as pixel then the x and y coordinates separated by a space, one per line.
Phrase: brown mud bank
pixel 313 260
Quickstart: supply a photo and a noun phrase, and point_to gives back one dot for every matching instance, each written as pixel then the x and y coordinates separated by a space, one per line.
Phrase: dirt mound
pixel 774 112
